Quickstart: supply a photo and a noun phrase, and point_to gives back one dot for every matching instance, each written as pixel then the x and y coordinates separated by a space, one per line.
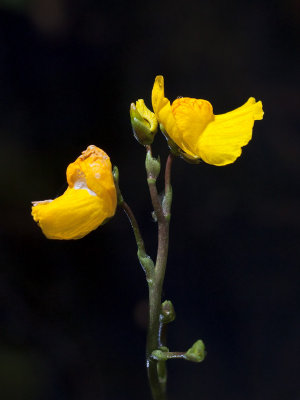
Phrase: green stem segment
pixel 145 261
pixel 135 227
pixel 157 374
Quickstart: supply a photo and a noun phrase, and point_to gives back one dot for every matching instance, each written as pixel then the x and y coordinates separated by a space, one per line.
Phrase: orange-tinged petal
pixel 93 169
pixel 89 200
pixel 222 140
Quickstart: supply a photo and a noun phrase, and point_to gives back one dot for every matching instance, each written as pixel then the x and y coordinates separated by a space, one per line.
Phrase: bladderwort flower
pixel 89 201
pixel 199 134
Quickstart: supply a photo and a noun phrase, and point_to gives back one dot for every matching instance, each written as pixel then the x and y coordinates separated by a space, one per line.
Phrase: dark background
pixel 73 314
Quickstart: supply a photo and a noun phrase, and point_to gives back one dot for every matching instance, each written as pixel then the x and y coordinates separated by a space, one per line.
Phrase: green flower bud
pixel 161 355
pixel 196 353
pixel 143 122
pixel 147 265
pixel 152 165
pixel 167 312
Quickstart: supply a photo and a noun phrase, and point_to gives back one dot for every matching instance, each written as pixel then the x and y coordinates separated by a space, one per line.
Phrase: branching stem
pixel 157 373
pixel 162 212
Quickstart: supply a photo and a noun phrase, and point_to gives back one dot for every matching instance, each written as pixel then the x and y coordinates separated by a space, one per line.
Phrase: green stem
pixel 162 212
pixel 172 354
pixel 135 227
pixel 145 260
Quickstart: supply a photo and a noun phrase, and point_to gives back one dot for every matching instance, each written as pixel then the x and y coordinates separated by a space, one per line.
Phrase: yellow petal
pixel 158 94
pixel 72 215
pixel 221 141
pixel 147 115
pixel 192 117
pixel 93 170
pixel 163 111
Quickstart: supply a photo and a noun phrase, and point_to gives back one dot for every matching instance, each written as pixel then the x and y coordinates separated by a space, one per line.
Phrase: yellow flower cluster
pixel 191 124
pixel 192 130
pixel 88 202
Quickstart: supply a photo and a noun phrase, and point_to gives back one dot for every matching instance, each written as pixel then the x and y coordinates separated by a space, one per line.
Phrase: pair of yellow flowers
pixel 91 199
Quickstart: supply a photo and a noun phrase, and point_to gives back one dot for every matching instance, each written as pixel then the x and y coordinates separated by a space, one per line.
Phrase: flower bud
pixel 161 354
pixel 196 353
pixel 167 314
pixel 152 165
pixel 143 122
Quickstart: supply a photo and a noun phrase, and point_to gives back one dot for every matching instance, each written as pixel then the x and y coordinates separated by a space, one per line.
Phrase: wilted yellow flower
pixel 89 200
pixel 191 124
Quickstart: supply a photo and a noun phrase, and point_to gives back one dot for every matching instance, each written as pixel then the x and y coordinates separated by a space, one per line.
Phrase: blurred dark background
pixel 73 314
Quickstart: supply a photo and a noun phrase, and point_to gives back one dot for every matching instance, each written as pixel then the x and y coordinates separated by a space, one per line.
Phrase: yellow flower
pixel 89 200
pixel 191 124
